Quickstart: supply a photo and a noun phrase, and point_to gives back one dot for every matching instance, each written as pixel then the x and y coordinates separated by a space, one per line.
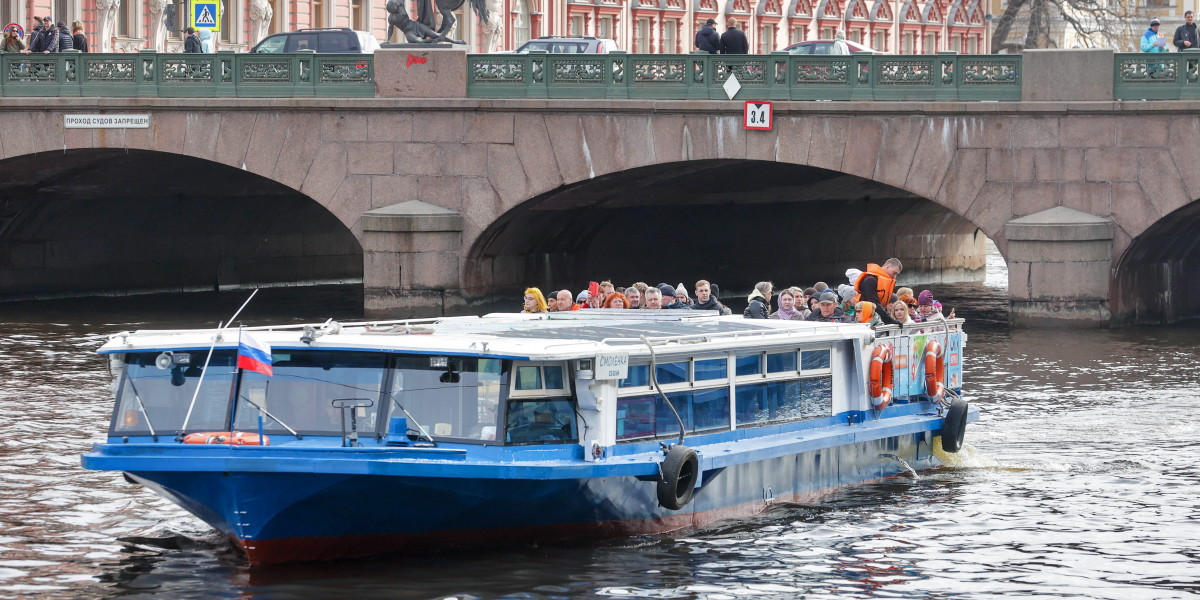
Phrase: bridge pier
pixel 1059 265
pixel 410 260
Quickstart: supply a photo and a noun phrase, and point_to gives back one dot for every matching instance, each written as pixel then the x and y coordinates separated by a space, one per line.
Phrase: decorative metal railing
pixel 777 76
pixel 1159 76
pixel 187 75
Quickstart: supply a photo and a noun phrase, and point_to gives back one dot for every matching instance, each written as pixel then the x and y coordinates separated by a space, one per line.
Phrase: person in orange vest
pixel 877 284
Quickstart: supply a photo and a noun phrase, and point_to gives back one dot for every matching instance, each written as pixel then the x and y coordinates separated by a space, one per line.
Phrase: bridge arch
pixel 116 220
pixel 727 220
pixel 1155 279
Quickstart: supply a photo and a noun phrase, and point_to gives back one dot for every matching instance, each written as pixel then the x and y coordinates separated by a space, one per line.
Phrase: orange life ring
pixel 234 438
pixel 882 374
pixel 935 371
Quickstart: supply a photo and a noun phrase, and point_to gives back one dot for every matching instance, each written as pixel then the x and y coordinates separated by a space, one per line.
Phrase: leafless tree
pixel 1096 23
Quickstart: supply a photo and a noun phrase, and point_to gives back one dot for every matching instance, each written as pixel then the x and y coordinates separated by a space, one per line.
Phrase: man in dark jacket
pixel 707 38
pixel 828 311
pixel 1186 37
pixel 192 43
pixel 707 300
pixel 733 41
pixel 65 42
pixel 46 40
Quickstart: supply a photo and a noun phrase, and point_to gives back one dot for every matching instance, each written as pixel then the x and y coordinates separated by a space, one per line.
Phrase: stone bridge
pixel 455 205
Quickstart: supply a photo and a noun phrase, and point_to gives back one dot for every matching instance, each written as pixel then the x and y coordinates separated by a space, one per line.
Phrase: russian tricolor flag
pixel 254 354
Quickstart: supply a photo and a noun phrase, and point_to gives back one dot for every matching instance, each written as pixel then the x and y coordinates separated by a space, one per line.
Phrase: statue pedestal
pixel 407 46
pixel 421 71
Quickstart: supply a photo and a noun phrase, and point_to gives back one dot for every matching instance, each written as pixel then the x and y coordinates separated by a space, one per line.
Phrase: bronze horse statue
pixel 422 30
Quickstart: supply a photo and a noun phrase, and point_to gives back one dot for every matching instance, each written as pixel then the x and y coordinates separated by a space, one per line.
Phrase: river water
pixel 1080 481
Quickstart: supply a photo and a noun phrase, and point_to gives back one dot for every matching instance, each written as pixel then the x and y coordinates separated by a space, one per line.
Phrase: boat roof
pixel 550 336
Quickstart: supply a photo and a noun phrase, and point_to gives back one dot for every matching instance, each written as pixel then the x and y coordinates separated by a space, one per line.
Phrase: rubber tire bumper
pixel 677 482
pixel 954 426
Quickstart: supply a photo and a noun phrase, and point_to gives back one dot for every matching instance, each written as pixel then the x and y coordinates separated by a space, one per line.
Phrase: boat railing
pixel 700 338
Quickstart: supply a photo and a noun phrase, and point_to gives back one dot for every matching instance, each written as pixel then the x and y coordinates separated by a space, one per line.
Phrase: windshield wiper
pixel 420 429
pixel 142 408
pixel 273 417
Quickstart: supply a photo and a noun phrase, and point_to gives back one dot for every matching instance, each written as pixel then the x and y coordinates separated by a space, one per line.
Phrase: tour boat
pixel 409 436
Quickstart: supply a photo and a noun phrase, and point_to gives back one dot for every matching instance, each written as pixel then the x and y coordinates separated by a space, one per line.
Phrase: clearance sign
pixel 206 15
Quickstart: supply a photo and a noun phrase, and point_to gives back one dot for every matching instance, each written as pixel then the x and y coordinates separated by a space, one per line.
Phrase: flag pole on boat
pixel 216 337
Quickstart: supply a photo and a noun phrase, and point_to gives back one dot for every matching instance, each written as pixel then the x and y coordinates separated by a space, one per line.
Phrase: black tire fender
pixel 677 477
pixel 954 426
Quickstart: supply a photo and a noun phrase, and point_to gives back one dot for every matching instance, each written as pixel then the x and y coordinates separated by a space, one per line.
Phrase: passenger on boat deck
pixel 706 300
pixel 811 297
pixel 552 301
pixel 907 296
pixel 670 298
pixel 595 298
pixel 758 303
pixel 827 310
pixel 616 300
pixel 633 296
pixel 787 307
pixel 653 299
pixel 937 306
pixel 899 312
pixel 682 295
pixel 846 295
pixel 534 301
pixel 925 311
pixel 865 313
pixel 606 287
pixel 564 301
pixel 801 302
pixel 820 287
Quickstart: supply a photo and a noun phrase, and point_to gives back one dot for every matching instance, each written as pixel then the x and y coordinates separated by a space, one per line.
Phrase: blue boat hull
pixel 288 516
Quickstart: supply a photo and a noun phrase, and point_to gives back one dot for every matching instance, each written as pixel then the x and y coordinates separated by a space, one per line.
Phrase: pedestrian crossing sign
pixel 206 15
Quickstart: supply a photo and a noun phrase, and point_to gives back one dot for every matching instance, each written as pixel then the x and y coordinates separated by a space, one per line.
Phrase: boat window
pixel 540 421
pixel 749 365
pixel 779 362
pixel 452 398
pixel 649 416
pixel 811 360
pixel 639 376
pixel 534 379
pixel 668 373
pixel 708 369
pixel 153 398
pixel 302 391
pixel 784 400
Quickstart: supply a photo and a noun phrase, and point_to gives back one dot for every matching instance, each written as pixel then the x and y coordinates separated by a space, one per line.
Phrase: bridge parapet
pixel 224 74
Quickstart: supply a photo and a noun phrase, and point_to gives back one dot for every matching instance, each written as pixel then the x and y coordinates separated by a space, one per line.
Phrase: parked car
pixel 828 47
pixel 323 40
pixel 557 44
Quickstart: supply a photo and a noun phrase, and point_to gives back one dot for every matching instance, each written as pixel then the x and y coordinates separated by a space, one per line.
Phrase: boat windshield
pixel 304 391
pixel 156 388
pixel 451 397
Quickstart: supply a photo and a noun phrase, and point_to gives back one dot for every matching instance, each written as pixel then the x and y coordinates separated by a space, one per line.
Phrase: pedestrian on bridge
pixel 733 41
pixel 1152 40
pixel 1186 37
pixel 707 38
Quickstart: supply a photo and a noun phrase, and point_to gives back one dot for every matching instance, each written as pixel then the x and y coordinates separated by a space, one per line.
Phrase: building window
pixel 972 45
pixel 856 36
pixel 577 25
pixel 931 43
pixel 124 18
pixel 318 13
pixel 766 39
pixel 604 28
pixel 356 15
pixel 275 20
pixel 642 43
pixel 226 33
pixel 670 45
pixel 827 33
pixel 956 43
pixel 797 35
pixel 520 24
pixel 907 48
pixel 880 41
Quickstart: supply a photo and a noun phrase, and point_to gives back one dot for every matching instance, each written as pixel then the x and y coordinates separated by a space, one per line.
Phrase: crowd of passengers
pixel 871 297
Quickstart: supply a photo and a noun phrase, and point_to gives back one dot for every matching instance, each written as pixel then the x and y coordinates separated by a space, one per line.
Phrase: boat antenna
pixel 216 337
pixel 654 380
